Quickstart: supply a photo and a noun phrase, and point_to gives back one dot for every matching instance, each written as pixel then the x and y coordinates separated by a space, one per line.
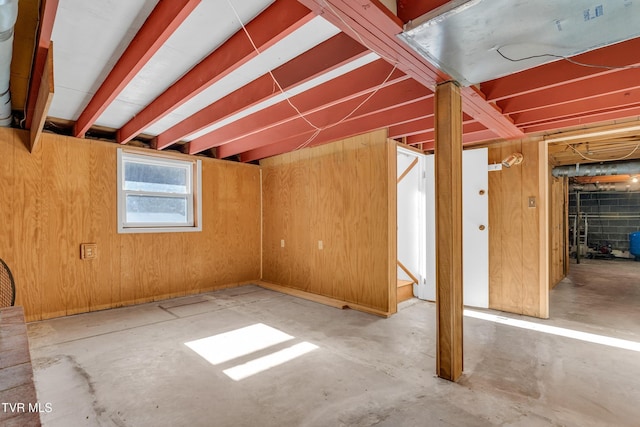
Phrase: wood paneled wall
pixel 344 195
pixel 518 234
pixel 558 230
pixel 65 194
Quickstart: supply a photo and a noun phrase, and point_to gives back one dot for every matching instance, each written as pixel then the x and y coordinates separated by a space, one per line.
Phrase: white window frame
pixel 193 196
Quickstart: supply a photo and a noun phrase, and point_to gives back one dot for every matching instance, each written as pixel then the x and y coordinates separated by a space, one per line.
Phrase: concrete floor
pixel 131 367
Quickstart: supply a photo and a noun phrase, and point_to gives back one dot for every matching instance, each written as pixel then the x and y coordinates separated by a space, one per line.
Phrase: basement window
pixel 158 194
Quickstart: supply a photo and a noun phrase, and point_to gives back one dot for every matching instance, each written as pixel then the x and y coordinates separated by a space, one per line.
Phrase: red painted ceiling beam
pixel 374 27
pixel 476 106
pixel 469 128
pixel 473 138
pixel 279 20
pixel 48 9
pixel 411 128
pixel 165 18
pixel 478 136
pixel 602 117
pixel 422 138
pixel 350 85
pixel 588 106
pixel 411 9
pixel 358 125
pixel 378 30
pixel 621 81
pixel 422 125
pixel 562 72
pixel 332 53
pixel 406 91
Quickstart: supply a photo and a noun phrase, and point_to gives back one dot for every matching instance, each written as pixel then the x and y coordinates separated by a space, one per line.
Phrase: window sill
pixel 136 230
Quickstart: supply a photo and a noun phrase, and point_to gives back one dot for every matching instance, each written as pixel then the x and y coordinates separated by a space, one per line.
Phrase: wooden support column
pixel 448 166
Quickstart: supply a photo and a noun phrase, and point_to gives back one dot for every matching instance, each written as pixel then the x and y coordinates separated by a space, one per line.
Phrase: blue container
pixel 634 244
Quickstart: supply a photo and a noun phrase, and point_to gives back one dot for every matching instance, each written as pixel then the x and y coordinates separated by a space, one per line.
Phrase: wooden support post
pixel 448 166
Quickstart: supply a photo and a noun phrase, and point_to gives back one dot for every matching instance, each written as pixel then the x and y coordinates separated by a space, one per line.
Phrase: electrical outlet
pixel 532 202
pixel 320 244
pixel 282 243
pixel 88 250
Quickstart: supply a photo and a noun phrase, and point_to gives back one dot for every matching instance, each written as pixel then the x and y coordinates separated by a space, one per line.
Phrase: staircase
pixel 405 290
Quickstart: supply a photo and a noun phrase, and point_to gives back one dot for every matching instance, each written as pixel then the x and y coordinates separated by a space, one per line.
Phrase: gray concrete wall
pixel 611 216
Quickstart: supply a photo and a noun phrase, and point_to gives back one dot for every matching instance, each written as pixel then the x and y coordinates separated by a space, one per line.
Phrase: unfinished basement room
pixel 319 213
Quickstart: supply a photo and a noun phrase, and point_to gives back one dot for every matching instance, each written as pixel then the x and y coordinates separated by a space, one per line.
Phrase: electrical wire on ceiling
pixel 604 160
pixel 355 33
pixel 345 118
pixel 568 59
pixel 318 129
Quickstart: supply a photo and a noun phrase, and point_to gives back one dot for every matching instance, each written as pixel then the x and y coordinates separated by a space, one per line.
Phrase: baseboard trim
pixel 321 299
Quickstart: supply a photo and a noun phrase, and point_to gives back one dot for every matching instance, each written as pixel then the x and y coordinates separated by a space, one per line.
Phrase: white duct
pixel 8 17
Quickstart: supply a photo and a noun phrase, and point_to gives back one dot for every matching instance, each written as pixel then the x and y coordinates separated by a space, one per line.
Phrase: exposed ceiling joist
pixel 372 25
pixel 610 102
pixel 361 81
pixel 562 72
pixel 321 59
pixel 626 129
pixel 48 10
pixel 43 101
pixel 620 141
pixel 414 127
pixel 165 18
pixel 327 119
pixel 411 9
pixel 560 154
pixel 387 117
pixel 277 22
pixel 475 105
pixel 623 81
pixel 470 127
pixel 584 120
pixel 226 101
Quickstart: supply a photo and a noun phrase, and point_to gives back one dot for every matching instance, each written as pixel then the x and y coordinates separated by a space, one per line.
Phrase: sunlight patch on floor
pixel 555 330
pixel 262 364
pixel 228 346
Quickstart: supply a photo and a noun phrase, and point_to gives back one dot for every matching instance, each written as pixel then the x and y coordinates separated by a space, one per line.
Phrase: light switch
pixel 88 250
pixel 532 202
pixel 282 243
pixel 320 244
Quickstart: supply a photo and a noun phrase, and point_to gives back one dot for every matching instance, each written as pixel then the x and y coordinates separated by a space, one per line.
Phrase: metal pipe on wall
pixel 8 17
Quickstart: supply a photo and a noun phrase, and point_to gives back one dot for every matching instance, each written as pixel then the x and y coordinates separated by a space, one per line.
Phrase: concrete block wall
pixel 611 216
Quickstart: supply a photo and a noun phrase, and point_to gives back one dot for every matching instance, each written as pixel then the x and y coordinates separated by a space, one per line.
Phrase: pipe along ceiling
pixel 601 169
pixel 597 169
pixel 605 186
